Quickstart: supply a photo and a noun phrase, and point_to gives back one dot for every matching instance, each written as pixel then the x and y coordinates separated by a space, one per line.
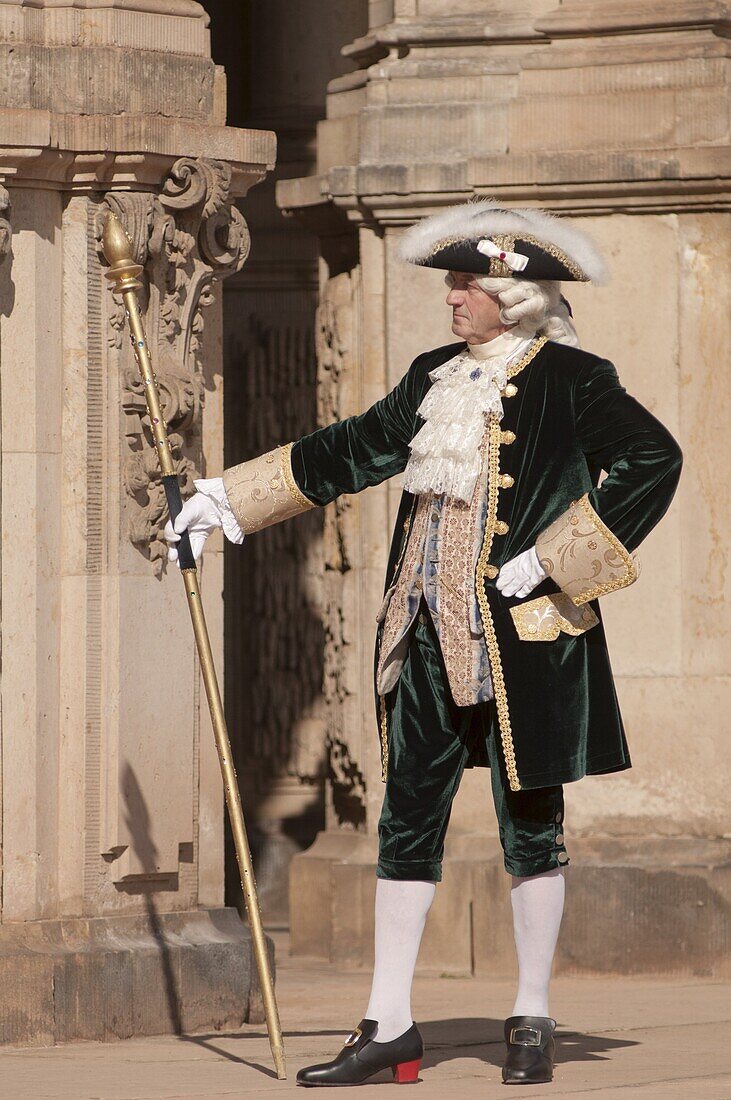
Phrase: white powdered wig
pixel 531 305
pixel 474 220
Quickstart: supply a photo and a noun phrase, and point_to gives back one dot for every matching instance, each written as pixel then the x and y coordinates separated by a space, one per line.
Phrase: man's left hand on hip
pixel 520 575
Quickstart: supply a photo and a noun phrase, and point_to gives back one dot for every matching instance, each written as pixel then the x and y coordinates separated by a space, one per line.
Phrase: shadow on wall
pixel 274 636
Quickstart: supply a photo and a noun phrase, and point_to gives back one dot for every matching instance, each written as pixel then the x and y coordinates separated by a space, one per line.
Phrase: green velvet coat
pixel 572 419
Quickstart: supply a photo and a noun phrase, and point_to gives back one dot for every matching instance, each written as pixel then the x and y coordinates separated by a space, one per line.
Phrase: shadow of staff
pixel 444 1041
pixel 137 820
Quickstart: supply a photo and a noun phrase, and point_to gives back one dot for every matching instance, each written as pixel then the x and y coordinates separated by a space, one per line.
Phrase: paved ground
pixel 629 1039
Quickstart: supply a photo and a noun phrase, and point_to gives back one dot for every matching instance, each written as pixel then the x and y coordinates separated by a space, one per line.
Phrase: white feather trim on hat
pixel 474 220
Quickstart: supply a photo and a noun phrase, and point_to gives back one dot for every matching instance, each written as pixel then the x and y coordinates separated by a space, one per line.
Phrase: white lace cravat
pixel 445 454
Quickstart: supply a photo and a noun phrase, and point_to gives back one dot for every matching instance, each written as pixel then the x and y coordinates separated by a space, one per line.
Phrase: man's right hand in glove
pixel 204 512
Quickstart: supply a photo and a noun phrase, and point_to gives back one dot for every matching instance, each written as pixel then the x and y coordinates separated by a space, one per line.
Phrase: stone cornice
pixel 580 18
pixel 168 26
pixel 398 38
pixel 659 181
pixel 92 152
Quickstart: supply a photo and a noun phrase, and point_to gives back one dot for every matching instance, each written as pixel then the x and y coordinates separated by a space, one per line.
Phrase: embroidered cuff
pixel 213 487
pixel 583 557
pixel 263 491
pixel 543 619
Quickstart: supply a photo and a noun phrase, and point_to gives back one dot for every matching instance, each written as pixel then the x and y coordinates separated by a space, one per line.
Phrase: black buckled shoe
pixel 361 1058
pixel 531 1046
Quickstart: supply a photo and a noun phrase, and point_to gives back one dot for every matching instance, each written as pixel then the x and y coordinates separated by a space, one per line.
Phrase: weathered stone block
pixel 110 978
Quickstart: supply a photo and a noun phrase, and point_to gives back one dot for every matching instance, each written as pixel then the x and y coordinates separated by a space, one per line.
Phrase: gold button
pixel 491 571
pixel 435 516
pixel 507 437
pixel 501 527
pixel 558 818
pixel 506 481
pixel 532 628
pixel 559 838
pixel 510 390
pixel 563 857
pixel 573 519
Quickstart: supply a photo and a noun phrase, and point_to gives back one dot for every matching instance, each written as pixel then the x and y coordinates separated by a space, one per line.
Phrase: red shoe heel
pixel 406 1073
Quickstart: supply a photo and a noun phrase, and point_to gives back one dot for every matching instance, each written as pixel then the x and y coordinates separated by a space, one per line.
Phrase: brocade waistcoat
pixel 439 563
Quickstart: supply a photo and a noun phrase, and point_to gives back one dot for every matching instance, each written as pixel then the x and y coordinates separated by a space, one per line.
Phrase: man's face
pixel 475 313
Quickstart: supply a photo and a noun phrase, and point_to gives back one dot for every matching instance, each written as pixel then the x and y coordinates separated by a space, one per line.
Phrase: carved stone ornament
pixel 5 230
pixel 185 237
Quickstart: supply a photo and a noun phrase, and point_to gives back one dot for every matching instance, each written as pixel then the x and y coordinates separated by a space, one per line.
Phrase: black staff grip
pixel 175 504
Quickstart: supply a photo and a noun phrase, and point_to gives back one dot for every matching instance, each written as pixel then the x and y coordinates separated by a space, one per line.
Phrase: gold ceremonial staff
pixel 123 275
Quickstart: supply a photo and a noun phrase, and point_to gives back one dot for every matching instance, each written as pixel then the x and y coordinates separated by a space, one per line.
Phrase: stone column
pixel 616 114
pixel 112 816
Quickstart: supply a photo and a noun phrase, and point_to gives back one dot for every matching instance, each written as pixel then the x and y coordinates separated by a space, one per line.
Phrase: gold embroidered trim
pixel 498 268
pixel 396 616
pixel 285 463
pixel 486 569
pixel 383 610
pixel 543 619
pixel 631 564
pixel 407 531
pixel 493 652
pixel 506 243
pixel 557 253
pixel 384 737
pixel 529 355
pixel 583 556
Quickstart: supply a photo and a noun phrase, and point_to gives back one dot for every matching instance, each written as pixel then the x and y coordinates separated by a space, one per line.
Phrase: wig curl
pixel 533 305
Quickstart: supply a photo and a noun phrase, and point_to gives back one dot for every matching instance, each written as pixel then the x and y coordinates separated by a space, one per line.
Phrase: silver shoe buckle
pixel 353 1037
pixel 530 1042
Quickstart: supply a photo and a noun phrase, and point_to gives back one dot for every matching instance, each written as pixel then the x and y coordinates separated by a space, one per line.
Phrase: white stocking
pixel 401 909
pixel 537 903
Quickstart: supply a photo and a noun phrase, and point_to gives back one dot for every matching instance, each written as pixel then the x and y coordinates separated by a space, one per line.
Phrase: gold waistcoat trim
pixel 383 711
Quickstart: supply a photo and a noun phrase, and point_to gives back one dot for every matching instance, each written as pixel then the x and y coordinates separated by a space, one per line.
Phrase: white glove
pixel 204 512
pixel 520 575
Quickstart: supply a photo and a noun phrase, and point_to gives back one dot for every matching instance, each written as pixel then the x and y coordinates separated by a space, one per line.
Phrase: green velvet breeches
pixel 429 740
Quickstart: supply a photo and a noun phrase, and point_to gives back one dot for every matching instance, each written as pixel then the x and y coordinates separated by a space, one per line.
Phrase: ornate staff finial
pixel 119 253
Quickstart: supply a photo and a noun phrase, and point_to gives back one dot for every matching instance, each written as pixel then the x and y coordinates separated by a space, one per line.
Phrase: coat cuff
pixel 583 557
pixel 263 491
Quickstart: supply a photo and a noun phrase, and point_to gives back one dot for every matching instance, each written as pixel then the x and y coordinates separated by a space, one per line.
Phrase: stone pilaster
pixel 112 811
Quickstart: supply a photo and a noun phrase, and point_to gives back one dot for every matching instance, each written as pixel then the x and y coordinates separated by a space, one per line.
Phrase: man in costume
pixel 490 646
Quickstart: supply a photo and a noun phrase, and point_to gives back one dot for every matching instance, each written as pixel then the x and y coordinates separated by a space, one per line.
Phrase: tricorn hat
pixel 487 239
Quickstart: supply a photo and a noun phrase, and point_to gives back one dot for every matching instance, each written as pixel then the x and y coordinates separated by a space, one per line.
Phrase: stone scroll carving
pixel 334 341
pixel 185 237
pixel 5 230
